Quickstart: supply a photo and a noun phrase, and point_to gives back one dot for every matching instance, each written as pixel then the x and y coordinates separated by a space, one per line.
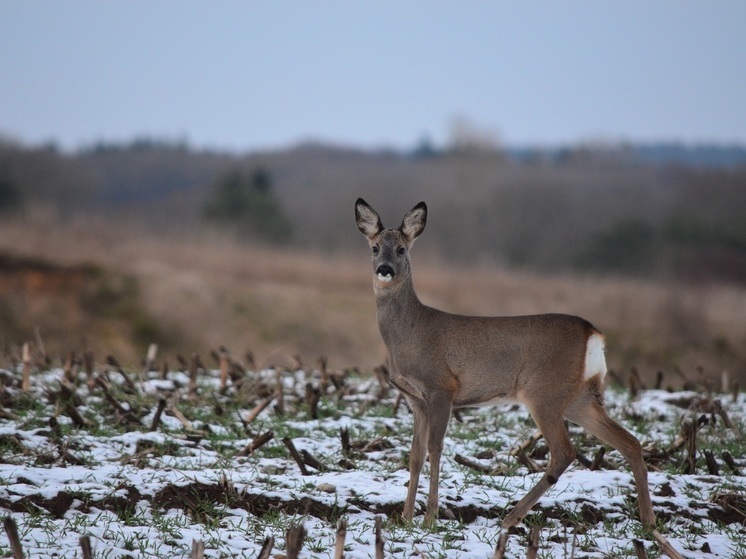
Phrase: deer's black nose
pixel 385 270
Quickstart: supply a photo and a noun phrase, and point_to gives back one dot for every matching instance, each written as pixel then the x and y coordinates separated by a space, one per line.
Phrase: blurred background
pixel 184 174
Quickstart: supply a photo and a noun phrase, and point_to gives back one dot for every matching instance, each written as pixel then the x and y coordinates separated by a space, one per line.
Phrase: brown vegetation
pixel 192 293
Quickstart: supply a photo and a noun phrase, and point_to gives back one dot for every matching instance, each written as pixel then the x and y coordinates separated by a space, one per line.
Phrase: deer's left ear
pixel 414 222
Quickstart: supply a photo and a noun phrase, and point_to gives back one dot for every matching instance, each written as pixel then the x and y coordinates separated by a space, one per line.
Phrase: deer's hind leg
pixel 548 418
pixel 588 412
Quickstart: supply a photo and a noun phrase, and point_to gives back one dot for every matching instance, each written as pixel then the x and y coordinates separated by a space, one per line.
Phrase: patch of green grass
pixel 29 408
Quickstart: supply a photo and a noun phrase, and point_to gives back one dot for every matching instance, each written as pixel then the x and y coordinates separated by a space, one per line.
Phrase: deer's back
pixel 483 359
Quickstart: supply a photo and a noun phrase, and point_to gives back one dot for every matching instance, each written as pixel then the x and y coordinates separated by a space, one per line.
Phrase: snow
pixel 377 486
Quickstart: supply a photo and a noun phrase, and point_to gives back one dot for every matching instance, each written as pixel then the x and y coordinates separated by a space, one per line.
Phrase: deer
pixel 553 364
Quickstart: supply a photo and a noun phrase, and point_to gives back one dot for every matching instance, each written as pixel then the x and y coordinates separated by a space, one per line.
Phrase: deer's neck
pixel 398 310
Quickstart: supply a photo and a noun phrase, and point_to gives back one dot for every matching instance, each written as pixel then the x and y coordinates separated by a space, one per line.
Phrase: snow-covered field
pixel 149 494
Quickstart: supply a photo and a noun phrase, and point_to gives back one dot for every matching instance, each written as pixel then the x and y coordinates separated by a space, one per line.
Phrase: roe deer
pixel 552 363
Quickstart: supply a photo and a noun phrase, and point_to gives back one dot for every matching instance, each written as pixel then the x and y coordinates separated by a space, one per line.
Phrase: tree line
pixel 596 209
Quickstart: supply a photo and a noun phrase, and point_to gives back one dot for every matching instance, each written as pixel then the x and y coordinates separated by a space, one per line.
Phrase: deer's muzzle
pixel 385 272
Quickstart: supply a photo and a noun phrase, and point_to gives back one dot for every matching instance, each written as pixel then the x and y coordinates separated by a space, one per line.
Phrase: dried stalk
pixel 324 373
pixel 633 382
pixel 250 361
pixel 382 375
pixel 157 416
pixel 194 365
pixel 312 461
pixel 712 465
pixel 164 370
pixel 658 380
pixel 88 367
pixel 11 530
pixel 528 443
pixel 523 458
pixel 471 464
pixel 296 455
pixel 85 547
pixel 110 360
pixel 198 550
pixel 502 544
pixel 40 344
pixel 598 459
pixel 683 437
pixel 252 415
pixel 344 436
pixel 339 547
pixel 224 366
pixel 379 538
pixel 280 393
pixel 78 420
pixel 150 359
pixel 690 463
pixel 269 543
pixel 397 402
pixel 313 396
pixel 294 540
pixel 259 441
pixel 728 459
pixel 639 549
pixel 70 368
pixel 69 398
pixel 121 410
pixel 26 382
pixel 533 542
pixel 583 459
pixel 173 410
pixel 666 546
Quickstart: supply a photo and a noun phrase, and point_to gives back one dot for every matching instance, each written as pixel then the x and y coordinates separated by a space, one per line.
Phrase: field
pixel 112 288
pixel 84 449
pixel 145 462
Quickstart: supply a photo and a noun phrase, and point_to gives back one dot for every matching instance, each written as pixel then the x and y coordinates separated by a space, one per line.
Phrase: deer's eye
pixel 375 249
pixel 400 251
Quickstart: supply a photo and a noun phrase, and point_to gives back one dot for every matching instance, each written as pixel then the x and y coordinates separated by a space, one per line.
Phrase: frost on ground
pixel 145 493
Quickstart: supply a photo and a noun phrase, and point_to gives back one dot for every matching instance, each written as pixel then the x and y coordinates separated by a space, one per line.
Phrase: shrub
pixel 246 203
pixel 10 195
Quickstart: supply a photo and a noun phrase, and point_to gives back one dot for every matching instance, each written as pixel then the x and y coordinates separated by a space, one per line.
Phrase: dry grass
pixel 211 291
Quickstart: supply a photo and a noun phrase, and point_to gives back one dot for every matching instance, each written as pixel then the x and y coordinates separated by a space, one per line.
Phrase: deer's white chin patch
pixel 387 278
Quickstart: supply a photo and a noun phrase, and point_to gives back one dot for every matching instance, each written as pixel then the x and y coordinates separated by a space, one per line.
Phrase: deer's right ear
pixel 367 219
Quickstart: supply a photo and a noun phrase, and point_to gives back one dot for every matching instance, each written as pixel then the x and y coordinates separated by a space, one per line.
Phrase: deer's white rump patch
pixel 595 361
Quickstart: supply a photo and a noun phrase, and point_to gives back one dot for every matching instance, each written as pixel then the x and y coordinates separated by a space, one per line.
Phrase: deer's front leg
pixel 416 454
pixel 439 411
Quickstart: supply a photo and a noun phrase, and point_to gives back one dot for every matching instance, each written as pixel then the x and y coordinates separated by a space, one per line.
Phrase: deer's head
pixel 390 247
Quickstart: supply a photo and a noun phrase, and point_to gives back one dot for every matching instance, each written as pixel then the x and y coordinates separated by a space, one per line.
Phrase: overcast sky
pixel 270 74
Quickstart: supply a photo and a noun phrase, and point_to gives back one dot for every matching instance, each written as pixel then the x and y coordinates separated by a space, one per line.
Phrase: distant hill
pixel 698 155
pixel 695 156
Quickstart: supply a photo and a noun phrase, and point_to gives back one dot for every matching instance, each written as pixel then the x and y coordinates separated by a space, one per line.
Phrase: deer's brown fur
pixel 551 363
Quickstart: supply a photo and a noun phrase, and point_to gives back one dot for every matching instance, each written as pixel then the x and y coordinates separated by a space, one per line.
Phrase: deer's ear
pixel 414 222
pixel 367 219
